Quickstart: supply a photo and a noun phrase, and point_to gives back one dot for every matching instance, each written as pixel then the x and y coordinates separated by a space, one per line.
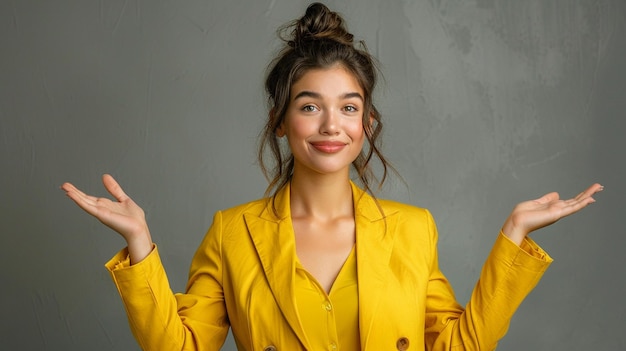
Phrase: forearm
pixel 508 275
pixel 147 298
pixel 159 319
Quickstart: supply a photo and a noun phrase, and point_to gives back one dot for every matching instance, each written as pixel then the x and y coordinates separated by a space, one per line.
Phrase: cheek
pixel 298 124
pixel 300 128
pixel 355 130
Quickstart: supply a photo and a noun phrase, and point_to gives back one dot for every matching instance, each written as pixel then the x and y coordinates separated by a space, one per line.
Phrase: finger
pixel 101 208
pixel 76 194
pixel 590 191
pixel 574 202
pixel 67 186
pixel 114 188
pixel 586 194
pixel 85 202
pixel 573 206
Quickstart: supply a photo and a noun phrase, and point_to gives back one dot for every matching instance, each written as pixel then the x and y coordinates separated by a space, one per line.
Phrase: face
pixel 324 121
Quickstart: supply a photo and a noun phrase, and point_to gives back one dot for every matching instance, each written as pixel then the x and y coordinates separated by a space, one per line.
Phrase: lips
pixel 328 146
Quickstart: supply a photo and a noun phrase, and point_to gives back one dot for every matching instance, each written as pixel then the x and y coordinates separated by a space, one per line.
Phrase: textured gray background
pixel 487 103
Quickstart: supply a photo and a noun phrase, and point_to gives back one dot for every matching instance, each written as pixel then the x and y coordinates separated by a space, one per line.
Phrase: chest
pixel 323 247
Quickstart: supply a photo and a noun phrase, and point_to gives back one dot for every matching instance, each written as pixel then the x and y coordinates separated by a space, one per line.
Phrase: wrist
pixel 139 247
pixel 516 235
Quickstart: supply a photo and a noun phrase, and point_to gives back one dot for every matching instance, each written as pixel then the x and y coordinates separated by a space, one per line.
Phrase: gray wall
pixel 487 103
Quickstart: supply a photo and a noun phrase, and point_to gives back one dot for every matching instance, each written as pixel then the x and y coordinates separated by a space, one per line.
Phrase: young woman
pixel 320 263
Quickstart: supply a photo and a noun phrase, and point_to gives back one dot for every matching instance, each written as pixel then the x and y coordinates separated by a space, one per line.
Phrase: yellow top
pixel 331 321
pixel 243 276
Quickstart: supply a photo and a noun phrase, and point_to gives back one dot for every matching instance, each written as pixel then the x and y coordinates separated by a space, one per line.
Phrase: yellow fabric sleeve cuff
pixel 119 265
pixel 528 254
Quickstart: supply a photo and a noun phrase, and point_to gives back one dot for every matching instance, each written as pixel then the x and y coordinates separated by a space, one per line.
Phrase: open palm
pixel 122 215
pixel 531 215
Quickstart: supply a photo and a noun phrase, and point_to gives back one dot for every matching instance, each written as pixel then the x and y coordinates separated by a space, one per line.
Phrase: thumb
pixel 114 188
pixel 553 196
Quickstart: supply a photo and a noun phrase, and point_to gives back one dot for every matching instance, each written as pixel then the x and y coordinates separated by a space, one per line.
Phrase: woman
pixel 320 263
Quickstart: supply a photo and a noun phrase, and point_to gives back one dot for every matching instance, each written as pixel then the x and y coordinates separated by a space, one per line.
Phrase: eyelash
pixel 311 108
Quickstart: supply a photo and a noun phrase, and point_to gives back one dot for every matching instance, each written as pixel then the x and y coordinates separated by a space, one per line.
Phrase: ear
pixel 280 131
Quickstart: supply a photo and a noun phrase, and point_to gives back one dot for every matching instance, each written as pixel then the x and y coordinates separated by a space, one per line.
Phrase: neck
pixel 321 196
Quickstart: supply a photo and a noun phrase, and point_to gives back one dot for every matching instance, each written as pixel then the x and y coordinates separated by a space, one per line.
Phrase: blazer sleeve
pixel 162 320
pixel 507 277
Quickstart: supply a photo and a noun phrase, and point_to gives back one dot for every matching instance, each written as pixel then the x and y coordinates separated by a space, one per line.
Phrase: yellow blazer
pixel 242 276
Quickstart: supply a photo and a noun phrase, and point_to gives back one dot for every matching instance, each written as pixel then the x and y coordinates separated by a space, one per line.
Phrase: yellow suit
pixel 242 276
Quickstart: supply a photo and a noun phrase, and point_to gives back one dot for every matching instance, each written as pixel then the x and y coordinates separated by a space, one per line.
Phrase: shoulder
pixel 406 216
pixel 255 207
pixel 258 204
pixel 232 222
pixel 404 210
pixel 409 220
pixel 395 206
pixel 413 228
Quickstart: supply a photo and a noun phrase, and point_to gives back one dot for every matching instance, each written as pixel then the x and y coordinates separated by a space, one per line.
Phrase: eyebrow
pixel 312 94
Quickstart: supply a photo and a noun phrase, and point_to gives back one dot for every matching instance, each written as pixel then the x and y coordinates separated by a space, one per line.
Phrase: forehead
pixel 328 82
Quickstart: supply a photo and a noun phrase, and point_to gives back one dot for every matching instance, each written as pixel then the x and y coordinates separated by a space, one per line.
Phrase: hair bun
pixel 320 23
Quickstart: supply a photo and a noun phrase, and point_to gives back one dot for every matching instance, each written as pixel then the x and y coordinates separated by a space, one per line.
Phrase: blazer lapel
pixel 374 242
pixel 273 237
pixel 274 240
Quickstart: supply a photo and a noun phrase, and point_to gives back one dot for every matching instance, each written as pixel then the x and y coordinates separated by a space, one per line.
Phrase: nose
pixel 330 123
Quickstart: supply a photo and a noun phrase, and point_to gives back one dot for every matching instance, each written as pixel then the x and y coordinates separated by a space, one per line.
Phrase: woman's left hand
pixel 531 215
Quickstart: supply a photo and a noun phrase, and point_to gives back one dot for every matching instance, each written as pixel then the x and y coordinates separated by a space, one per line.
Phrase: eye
pixel 350 108
pixel 309 108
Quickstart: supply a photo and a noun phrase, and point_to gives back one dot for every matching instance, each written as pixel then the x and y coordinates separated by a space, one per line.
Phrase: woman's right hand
pixel 123 215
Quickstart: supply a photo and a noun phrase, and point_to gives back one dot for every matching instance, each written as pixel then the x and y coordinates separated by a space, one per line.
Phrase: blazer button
pixel 402 344
pixel 270 348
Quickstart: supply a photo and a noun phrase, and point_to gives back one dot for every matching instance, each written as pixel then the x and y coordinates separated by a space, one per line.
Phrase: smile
pixel 328 146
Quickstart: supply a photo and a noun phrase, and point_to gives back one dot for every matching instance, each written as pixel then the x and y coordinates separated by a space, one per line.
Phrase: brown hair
pixel 319 39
